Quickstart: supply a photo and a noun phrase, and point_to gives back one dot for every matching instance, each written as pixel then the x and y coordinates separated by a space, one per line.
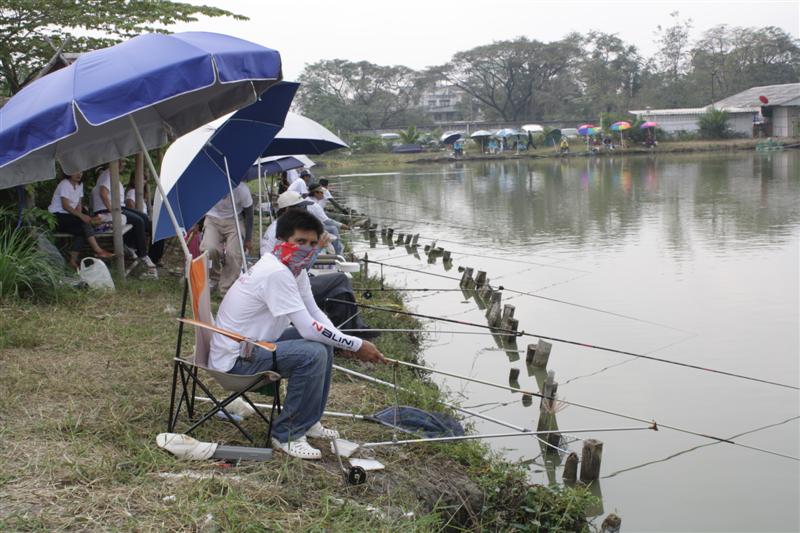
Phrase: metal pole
pixel 116 219
pixel 243 266
pixel 179 232
pixel 499 435
pixel 260 201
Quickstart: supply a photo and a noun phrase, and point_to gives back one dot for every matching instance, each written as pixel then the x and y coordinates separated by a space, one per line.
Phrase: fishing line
pixel 575 343
pixel 540 297
pixel 688 450
pixel 655 424
pixel 429 331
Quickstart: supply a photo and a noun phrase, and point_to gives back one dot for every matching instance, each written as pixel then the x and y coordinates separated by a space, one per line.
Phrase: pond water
pixel 690 258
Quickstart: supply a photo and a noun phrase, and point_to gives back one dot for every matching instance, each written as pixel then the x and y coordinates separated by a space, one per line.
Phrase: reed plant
pixel 25 271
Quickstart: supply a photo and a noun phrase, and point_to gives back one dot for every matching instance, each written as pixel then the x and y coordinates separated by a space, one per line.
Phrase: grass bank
pixel 84 391
pixel 340 162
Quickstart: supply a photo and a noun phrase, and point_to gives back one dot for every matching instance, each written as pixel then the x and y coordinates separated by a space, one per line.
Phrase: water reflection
pixel 600 201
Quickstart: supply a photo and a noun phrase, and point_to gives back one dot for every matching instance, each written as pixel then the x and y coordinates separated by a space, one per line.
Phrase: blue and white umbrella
pixel 277 164
pixel 131 97
pixel 301 135
pixel 196 167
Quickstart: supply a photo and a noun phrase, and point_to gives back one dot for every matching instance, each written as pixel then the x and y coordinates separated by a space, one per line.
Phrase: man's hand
pixel 325 240
pixel 369 353
pixel 247 246
pixel 345 227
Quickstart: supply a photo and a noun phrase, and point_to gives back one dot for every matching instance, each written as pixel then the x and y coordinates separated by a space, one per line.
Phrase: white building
pixel 781 115
pixel 443 103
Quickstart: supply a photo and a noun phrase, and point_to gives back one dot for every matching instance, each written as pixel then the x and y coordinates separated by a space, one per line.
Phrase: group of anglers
pixel 275 300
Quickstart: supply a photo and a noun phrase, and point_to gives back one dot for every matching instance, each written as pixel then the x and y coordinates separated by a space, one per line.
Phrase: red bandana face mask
pixel 295 256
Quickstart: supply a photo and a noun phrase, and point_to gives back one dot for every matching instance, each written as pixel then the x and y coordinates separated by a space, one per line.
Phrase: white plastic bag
pixel 95 273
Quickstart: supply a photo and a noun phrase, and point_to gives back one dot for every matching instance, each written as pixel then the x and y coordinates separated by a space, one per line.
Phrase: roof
pixel 690 110
pixel 785 94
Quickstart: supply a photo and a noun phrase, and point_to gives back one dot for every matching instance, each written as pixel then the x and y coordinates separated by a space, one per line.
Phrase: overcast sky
pixel 420 33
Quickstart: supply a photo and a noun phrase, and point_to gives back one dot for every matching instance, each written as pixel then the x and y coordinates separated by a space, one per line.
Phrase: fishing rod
pixel 429 331
pixel 463 410
pixel 655 425
pixel 500 435
pixel 539 297
pixel 574 343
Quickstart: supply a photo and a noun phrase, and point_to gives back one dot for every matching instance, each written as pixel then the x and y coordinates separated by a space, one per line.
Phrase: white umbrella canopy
pixel 389 136
pixel 301 135
pixel 533 128
pixel 307 162
pixel 482 133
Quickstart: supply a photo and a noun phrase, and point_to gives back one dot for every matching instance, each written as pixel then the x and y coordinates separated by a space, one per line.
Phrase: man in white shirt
pixel 260 305
pixel 291 175
pixel 220 229
pixel 316 193
pixel 300 185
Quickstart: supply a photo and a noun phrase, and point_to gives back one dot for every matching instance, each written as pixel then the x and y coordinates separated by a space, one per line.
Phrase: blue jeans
pixel 308 366
pixel 333 229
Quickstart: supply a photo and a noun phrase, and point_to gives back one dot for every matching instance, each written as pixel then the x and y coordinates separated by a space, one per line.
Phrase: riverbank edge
pixel 340 161
pixel 83 397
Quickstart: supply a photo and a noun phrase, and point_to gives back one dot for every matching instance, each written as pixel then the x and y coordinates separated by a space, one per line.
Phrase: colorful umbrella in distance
pixel 620 126
pixel 583 129
pixel 648 124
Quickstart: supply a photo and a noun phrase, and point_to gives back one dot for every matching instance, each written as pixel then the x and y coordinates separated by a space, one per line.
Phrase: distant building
pixel 780 116
pixel 444 103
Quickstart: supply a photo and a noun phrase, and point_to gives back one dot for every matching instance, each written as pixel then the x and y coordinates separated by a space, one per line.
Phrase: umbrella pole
pixel 260 201
pixel 236 216
pixel 179 232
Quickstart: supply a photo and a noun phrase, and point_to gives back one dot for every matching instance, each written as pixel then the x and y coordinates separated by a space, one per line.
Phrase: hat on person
pixel 291 199
pixel 314 187
pixel 305 173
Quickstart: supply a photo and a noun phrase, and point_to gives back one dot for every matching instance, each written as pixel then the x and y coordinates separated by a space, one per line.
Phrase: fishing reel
pixel 367 295
pixel 356 475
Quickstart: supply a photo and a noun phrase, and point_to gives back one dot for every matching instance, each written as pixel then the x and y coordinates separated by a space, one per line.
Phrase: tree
pixel 672 60
pixel 507 77
pixel 31 30
pixel 714 124
pixel 726 60
pixel 609 73
pixel 410 136
pixel 359 95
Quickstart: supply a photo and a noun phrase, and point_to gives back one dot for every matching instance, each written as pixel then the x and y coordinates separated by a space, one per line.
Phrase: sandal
pixel 299 448
pixel 317 431
pixel 104 254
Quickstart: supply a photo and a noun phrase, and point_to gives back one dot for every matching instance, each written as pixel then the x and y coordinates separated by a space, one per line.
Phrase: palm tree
pixel 410 136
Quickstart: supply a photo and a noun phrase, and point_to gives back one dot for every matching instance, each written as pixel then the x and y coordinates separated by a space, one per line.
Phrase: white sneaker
pixel 147 261
pixel 299 448
pixel 317 431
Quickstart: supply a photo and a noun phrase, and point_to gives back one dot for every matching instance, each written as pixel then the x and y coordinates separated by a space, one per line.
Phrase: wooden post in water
pixel 513 377
pixel 366 268
pixel 508 313
pixel 400 238
pixel 547 409
pixel 383 232
pixel 408 239
pixel 493 315
pixel 591 457
pixel 480 279
pixel 571 468
pixel 512 324
pixel 390 233
pixel 539 354
pixel 415 239
pixel 446 256
pixel 466 278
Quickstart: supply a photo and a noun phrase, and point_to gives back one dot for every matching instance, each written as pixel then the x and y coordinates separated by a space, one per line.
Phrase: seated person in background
pixel 300 185
pixel 283 186
pixel 316 193
pixel 101 205
pixel 564 145
pixel 260 305
pixel 220 229
pixel 328 197
pixel 156 248
pixel 67 206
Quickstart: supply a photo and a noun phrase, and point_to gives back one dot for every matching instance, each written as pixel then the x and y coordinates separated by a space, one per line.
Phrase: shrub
pixel 367 144
pixel 714 124
pixel 410 136
pixel 24 270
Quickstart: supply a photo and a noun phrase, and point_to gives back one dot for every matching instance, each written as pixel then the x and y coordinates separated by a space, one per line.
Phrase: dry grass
pixel 84 391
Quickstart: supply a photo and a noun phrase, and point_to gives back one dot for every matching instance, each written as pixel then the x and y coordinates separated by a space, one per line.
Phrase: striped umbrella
pixel 620 126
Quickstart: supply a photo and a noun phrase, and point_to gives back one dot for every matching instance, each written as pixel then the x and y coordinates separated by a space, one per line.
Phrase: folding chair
pixel 187 372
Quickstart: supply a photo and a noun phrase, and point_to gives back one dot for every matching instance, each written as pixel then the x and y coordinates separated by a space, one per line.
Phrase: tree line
pixel 578 76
